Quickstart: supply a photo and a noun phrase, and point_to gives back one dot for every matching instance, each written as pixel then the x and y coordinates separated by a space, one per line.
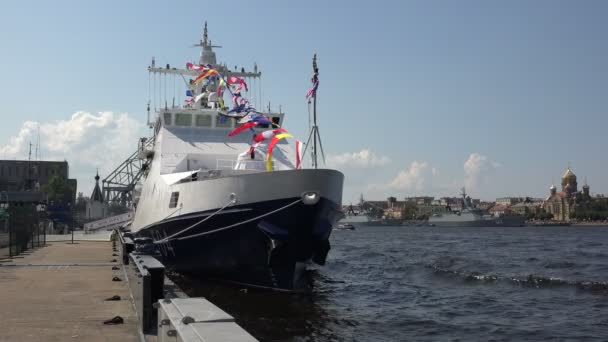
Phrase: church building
pixel 562 204
pixel 96 207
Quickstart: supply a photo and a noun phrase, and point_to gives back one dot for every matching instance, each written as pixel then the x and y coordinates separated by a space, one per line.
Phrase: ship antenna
pixel 28 180
pixel 148 109
pixel 38 145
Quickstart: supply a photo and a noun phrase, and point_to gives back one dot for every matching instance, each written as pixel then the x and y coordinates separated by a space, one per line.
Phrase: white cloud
pixel 362 159
pixel 478 168
pixel 417 178
pixel 87 141
pixel 414 178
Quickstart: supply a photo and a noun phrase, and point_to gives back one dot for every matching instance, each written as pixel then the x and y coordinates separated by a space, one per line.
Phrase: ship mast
pixel 315 76
pixel 207 56
pixel 314 131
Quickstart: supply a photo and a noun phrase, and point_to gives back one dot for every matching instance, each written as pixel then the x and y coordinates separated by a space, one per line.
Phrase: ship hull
pixel 355 219
pixel 270 252
pixel 498 222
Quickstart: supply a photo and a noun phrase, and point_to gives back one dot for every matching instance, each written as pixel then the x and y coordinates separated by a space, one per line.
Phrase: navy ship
pixel 355 215
pixel 471 217
pixel 221 205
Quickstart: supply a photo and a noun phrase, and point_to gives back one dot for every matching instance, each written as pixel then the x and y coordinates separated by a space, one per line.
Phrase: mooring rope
pixel 240 223
pixel 232 201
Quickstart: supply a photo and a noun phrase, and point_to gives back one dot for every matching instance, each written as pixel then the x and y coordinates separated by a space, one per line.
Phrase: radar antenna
pixel 205 42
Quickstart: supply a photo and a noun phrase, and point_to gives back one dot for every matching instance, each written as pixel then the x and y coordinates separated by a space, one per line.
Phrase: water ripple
pixel 429 284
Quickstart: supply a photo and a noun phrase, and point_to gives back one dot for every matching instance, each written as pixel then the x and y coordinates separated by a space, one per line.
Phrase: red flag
pixel 237 80
pixel 242 128
pixel 298 154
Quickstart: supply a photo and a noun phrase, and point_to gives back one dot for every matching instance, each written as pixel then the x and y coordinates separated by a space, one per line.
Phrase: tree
pixel 57 190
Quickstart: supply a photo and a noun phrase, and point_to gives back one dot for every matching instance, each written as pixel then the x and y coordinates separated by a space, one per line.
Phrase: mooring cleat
pixel 114 320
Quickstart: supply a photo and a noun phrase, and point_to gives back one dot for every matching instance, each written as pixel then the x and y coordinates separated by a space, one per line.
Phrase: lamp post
pixel 71 217
pixel 5 216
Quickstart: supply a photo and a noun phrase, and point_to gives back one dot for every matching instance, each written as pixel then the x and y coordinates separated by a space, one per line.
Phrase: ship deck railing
pixel 231 164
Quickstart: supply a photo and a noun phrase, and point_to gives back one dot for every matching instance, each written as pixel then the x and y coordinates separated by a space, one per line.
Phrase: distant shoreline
pixel 565 224
pixel 591 224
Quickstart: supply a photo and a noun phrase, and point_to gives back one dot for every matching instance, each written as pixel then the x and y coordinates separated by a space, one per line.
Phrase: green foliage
pixel 596 210
pixel 540 216
pixel 57 189
pixel 590 215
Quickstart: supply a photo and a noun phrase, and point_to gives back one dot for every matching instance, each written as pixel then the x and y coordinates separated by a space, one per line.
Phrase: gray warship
pixel 471 217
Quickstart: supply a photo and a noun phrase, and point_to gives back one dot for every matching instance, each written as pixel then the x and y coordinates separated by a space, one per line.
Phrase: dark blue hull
pixel 236 245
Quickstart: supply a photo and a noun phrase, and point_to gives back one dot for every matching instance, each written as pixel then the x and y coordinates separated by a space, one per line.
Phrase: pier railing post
pixel 10 238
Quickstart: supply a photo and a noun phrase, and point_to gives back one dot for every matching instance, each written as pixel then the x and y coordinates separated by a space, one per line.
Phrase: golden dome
pixel 569 174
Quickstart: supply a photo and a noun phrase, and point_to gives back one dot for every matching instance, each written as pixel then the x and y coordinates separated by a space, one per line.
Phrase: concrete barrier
pixel 146 281
pixel 197 319
pixel 172 318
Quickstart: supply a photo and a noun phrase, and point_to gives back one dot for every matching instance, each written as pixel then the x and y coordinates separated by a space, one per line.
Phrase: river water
pixel 439 284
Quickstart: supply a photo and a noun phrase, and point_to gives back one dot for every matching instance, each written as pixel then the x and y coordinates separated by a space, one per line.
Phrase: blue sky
pixel 415 97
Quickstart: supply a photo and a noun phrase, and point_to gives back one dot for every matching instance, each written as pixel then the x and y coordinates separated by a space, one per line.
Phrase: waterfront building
pixel 421 200
pixel 30 175
pixel 563 204
pixel 557 204
pixel 394 213
pixel 455 203
pixel 509 201
pixel 526 208
pixel 485 206
pixel 432 209
pixel 499 210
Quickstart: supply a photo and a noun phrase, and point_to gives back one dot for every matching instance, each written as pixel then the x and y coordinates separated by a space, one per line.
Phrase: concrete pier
pixel 58 292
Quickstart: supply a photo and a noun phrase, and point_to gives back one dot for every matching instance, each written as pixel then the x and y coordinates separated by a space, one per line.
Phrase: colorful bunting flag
pixel 210 72
pixel 313 91
pixel 298 154
pixel 191 66
pixel 271 145
pixel 237 80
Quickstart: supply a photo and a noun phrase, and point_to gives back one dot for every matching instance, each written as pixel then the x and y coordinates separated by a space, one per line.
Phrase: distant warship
pixel 470 217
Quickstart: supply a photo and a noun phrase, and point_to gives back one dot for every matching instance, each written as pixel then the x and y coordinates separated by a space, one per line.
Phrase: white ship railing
pixel 230 164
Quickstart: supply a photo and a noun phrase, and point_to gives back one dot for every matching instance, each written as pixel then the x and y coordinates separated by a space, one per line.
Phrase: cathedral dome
pixel 569 183
pixel 552 189
pixel 569 175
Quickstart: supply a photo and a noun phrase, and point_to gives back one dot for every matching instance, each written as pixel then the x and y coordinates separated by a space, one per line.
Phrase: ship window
pixel 222 122
pixel 174 199
pixel 168 119
pixel 276 120
pixel 203 120
pixel 183 119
